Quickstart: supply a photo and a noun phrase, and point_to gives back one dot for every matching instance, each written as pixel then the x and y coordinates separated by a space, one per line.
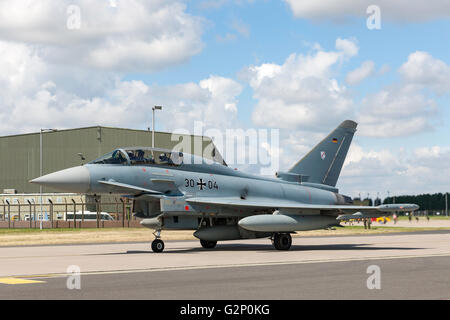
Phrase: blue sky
pixel 295 65
pixel 274 33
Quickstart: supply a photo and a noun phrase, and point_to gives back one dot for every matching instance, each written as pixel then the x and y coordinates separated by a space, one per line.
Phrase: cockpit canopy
pixel 142 156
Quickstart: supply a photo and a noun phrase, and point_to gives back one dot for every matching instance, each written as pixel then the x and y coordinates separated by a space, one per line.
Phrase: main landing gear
pixel 281 241
pixel 208 244
pixel 157 244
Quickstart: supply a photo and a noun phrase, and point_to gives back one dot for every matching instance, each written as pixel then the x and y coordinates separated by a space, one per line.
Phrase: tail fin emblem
pixel 322 155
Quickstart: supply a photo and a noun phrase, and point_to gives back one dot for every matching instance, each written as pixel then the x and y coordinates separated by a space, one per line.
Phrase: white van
pixel 88 216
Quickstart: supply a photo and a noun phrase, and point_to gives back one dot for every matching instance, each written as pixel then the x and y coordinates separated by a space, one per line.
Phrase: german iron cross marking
pixel 201 184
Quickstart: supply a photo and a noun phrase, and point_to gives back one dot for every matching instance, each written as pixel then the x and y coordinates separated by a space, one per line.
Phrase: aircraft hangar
pixel 20 154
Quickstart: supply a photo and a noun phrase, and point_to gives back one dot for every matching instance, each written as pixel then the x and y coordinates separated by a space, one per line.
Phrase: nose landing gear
pixel 157 244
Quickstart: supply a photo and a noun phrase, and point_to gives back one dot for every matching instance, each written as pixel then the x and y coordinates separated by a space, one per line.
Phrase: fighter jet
pixel 175 190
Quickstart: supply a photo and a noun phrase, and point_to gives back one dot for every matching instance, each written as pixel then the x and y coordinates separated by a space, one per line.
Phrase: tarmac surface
pixel 410 266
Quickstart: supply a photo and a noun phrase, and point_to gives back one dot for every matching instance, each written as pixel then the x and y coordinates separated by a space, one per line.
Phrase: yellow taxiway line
pixel 11 280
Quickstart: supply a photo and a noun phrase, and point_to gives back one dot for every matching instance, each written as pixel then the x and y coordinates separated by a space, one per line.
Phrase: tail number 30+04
pixel 201 184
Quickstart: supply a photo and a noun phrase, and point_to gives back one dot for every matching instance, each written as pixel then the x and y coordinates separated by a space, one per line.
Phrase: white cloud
pixel 303 98
pixel 216 4
pixel 301 93
pixel 33 95
pixel 127 104
pixel 396 111
pixel 408 106
pixel 399 10
pixel 131 35
pixel 347 46
pixel 365 70
pixel 400 172
pixel 425 70
pixel 432 152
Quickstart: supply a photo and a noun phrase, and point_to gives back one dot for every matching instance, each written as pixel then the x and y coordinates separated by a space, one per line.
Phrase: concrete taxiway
pixel 412 266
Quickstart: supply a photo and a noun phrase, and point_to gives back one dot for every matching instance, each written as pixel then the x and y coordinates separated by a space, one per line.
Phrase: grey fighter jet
pixel 173 190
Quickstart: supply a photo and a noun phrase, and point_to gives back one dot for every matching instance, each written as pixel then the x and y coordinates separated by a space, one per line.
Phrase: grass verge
pixel 18 237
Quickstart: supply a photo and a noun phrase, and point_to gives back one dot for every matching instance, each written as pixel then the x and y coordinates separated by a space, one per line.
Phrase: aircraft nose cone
pixel 74 180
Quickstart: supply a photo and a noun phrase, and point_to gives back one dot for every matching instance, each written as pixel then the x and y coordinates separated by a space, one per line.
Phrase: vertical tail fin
pixel 324 162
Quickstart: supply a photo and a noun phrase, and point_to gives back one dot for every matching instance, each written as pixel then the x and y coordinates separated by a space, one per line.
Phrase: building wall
pixel 19 155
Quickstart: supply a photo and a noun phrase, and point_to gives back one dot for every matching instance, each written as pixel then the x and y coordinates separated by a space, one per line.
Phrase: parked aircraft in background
pixel 175 190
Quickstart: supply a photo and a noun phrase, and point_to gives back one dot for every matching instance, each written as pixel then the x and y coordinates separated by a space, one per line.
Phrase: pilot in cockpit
pixel 140 155
pixel 131 155
pixel 118 157
pixel 163 159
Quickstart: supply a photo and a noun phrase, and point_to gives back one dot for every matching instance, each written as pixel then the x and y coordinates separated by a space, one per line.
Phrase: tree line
pixel 435 201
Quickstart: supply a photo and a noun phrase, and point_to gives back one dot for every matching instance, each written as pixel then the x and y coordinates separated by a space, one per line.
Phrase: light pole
pixel 40 170
pixel 153 123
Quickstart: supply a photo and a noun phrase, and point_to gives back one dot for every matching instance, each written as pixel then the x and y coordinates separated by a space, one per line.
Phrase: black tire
pixel 282 241
pixel 208 244
pixel 158 245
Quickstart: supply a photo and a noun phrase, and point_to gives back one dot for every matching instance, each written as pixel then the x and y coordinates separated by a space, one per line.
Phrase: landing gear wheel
pixel 158 245
pixel 282 241
pixel 208 244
